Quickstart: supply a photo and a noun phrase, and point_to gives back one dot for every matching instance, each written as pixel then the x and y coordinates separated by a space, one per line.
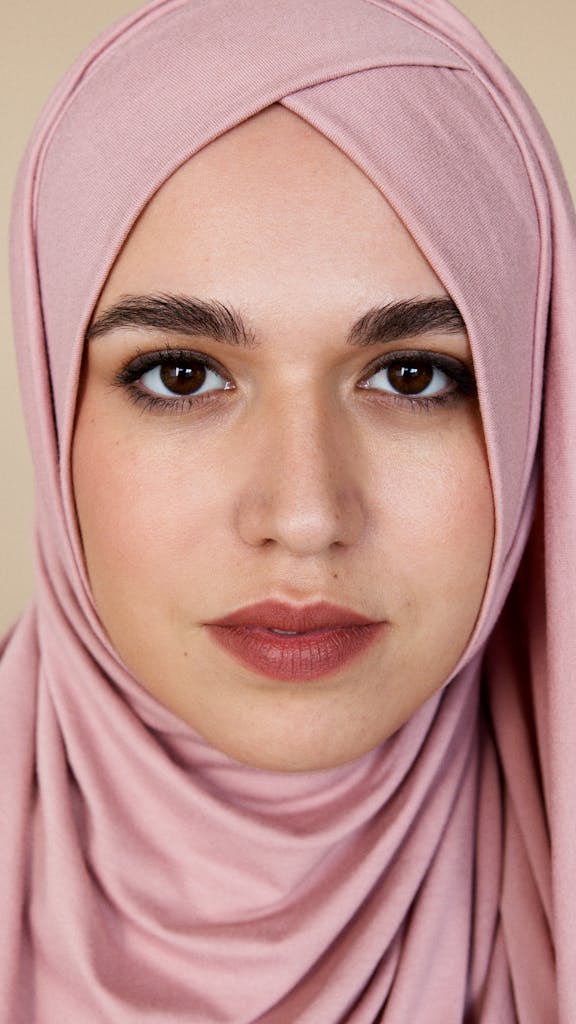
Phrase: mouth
pixel 281 617
pixel 290 643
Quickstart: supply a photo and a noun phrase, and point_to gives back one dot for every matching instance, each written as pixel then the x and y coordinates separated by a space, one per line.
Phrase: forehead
pixel 272 210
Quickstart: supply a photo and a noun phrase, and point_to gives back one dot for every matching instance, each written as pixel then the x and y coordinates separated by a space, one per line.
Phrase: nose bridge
pixel 302 490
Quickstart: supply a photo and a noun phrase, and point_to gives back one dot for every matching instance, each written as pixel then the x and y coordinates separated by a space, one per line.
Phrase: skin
pixel 188 515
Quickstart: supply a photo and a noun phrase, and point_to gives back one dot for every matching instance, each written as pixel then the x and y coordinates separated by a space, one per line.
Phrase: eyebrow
pixel 181 314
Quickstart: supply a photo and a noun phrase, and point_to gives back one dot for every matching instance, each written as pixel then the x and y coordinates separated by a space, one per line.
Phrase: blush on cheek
pixel 438 529
pixel 150 520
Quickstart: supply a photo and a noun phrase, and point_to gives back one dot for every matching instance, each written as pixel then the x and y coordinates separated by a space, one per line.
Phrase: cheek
pixel 147 515
pixel 437 529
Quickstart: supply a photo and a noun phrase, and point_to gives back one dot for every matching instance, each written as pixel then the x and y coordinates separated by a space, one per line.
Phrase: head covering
pixel 144 876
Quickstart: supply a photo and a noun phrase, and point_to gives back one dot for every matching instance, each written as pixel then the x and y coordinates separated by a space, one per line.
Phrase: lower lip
pixel 302 657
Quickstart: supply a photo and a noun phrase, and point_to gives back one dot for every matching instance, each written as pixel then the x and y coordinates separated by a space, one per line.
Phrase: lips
pixel 291 643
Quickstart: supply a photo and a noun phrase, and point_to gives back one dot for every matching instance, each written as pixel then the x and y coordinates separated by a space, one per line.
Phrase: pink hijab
pixel 144 876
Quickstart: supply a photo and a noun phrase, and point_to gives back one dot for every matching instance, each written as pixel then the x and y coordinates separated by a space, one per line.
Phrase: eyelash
pixel 128 377
pixel 456 371
pixel 130 374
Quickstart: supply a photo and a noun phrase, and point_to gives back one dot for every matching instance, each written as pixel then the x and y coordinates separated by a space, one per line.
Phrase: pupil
pixel 183 380
pixel 410 378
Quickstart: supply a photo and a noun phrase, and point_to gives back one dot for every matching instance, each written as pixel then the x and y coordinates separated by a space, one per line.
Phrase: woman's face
pixel 300 456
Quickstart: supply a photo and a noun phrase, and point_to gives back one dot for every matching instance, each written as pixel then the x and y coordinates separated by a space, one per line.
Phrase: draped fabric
pixel 145 876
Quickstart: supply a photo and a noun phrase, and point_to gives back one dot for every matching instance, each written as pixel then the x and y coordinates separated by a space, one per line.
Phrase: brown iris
pixel 183 379
pixel 409 376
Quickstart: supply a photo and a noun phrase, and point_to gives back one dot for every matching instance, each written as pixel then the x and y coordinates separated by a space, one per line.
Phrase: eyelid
pixel 143 362
pixel 455 368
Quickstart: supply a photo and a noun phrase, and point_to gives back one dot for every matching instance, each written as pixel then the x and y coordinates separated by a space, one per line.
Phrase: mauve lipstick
pixel 324 638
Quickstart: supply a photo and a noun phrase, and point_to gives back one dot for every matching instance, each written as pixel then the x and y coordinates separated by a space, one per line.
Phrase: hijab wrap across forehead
pixel 144 876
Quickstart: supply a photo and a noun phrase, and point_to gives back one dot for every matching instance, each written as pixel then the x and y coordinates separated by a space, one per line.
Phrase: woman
pixel 287 733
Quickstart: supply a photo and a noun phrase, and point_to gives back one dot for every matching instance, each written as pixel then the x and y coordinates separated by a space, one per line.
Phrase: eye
pixel 409 377
pixel 420 375
pixel 181 378
pixel 170 378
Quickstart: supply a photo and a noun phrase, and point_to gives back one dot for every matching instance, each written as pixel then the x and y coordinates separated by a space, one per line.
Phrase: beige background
pixel 40 38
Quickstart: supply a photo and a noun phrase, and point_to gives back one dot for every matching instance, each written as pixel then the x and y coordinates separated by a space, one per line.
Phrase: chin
pixel 292 751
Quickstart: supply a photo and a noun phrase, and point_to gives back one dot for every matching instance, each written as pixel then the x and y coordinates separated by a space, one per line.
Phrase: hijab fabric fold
pixel 144 875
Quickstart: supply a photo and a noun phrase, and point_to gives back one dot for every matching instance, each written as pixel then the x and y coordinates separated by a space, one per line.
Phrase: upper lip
pixel 293 618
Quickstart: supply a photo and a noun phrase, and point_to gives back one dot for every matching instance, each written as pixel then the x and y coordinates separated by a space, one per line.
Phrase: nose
pixel 301 490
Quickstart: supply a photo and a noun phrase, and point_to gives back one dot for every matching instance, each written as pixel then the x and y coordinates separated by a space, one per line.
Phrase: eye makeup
pixel 424 379
pixel 181 374
pixel 179 380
